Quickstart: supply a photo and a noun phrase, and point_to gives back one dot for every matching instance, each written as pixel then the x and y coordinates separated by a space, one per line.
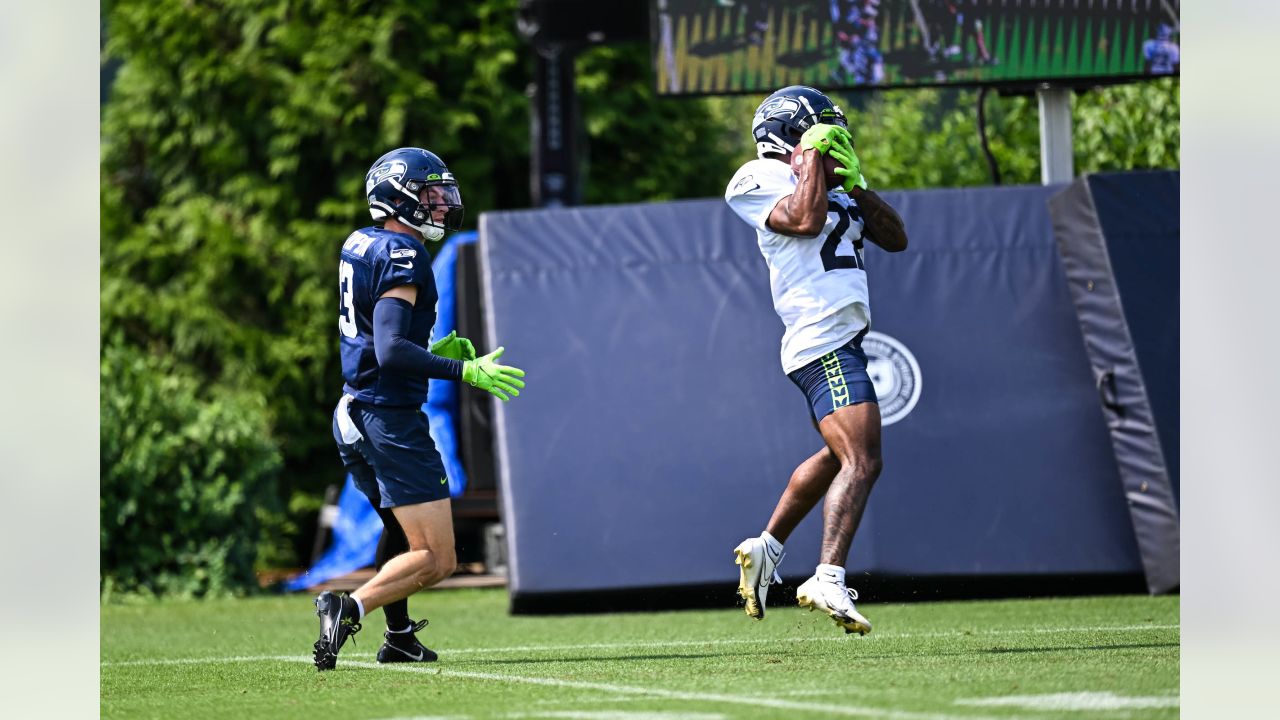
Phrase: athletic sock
pixel 407 629
pixel 830 574
pixel 359 607
pixel 771 543
pixel 397 615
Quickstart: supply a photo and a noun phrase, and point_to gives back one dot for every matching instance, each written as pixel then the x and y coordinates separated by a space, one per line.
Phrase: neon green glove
pixel 454 347
pixel 822 137
pixel 485 373
pixel 842 151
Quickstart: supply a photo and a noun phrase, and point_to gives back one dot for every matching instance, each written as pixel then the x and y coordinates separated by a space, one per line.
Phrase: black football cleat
pixel 338 621
pixel 403 647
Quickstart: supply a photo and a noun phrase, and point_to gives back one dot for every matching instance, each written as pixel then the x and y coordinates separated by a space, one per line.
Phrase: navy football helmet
pixel 784 116
pixel 395 186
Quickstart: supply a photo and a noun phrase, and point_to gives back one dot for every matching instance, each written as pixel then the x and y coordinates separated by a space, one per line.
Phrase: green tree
pixel 234 145
pixel 185 471
pixel 928 137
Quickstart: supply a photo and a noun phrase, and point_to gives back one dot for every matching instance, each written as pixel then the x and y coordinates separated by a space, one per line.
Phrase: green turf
pixel 250 659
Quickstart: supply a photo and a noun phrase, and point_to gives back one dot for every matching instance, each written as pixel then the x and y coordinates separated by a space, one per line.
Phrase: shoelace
pixel 353 627
pixel 777 579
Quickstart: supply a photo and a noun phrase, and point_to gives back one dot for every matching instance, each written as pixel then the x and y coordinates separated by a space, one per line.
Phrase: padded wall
pixel 1118 238
pixel 657 429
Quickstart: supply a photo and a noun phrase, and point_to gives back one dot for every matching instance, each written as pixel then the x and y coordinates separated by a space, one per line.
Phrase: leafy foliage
pixel 234 147
pixel 183 474
pixel 922 138
pixel 641 147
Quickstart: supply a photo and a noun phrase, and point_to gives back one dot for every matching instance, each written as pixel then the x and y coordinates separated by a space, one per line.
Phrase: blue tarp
pixel 357 528
pixel 442 397
pixel 355 540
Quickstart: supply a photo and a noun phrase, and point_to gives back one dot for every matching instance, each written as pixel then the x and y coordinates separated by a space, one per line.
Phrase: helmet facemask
pixel 420 213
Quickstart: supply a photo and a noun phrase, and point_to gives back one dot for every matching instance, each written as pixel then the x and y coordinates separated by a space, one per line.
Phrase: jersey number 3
pixel 830 259
pixel 346 306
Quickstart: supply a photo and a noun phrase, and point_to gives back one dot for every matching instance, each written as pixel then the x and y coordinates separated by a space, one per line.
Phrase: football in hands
pixel 829 165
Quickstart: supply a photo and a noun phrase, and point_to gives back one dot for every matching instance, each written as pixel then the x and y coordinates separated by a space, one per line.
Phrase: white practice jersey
pixel 819 283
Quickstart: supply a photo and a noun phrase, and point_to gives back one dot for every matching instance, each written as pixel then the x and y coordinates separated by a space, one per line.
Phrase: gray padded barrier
pixel 1118 237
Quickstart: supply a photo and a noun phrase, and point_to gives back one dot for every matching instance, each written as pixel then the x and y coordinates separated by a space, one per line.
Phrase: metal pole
pixel 1055 135
pixel 554 166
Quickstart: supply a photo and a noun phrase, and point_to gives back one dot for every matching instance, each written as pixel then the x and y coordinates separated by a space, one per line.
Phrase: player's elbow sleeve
pixel 390 354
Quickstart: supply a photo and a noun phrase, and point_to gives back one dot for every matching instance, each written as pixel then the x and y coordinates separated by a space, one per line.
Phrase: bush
pixel 184 473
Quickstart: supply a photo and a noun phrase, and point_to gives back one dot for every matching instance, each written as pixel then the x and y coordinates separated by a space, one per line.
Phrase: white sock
pixel 359 608
pixel 407 628
pixel 772 544
pixel 830 574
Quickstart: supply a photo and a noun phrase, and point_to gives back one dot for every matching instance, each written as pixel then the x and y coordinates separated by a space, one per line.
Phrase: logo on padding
pixel 894 373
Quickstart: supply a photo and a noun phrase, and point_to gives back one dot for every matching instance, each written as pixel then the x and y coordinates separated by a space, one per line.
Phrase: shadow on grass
pixel 772 655
pixel 1127 646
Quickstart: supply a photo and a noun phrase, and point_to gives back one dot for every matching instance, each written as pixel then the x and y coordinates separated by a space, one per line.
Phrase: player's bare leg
pixel 808 485
pixel 853 435
pixel 758 558
pixel 402 644
pixel 431 557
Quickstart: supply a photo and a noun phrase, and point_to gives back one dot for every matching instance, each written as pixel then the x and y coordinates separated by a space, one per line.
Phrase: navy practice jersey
pixel 374 261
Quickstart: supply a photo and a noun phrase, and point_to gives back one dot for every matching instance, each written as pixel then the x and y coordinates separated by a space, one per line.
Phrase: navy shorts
pixel 836 379
pixel 397 462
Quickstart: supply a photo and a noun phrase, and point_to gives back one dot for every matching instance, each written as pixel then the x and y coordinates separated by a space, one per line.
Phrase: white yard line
pixel 751 700
pixel 677 643
pixel 831 638
pixel 1078 701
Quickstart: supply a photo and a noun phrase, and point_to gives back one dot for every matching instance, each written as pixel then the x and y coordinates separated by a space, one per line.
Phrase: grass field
pixel 1103 657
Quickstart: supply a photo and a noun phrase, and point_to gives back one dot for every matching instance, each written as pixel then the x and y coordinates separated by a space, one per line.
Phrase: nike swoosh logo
pixel 406 266
pixel 444 480
pixel 418 657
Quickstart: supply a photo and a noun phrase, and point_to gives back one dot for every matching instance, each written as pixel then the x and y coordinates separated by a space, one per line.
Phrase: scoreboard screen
pixel 757 46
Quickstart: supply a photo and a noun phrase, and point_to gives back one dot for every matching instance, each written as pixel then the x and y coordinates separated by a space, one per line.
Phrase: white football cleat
pixel 757 571
pixel 835 600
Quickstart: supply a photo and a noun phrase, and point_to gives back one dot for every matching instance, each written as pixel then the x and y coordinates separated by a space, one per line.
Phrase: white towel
pixel 350 435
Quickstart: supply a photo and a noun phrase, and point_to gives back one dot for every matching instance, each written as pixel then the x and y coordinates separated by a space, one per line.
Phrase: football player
pixel 386 308
pixel 1161 55
pixel 810 226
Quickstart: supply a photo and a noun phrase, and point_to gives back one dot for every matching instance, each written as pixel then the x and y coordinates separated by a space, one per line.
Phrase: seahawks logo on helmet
pixel 778 107
pixel 393 170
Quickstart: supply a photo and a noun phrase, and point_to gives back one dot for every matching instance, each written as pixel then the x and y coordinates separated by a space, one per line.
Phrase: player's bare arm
pixel 804 212
pixel 407 293
pixel 883 224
